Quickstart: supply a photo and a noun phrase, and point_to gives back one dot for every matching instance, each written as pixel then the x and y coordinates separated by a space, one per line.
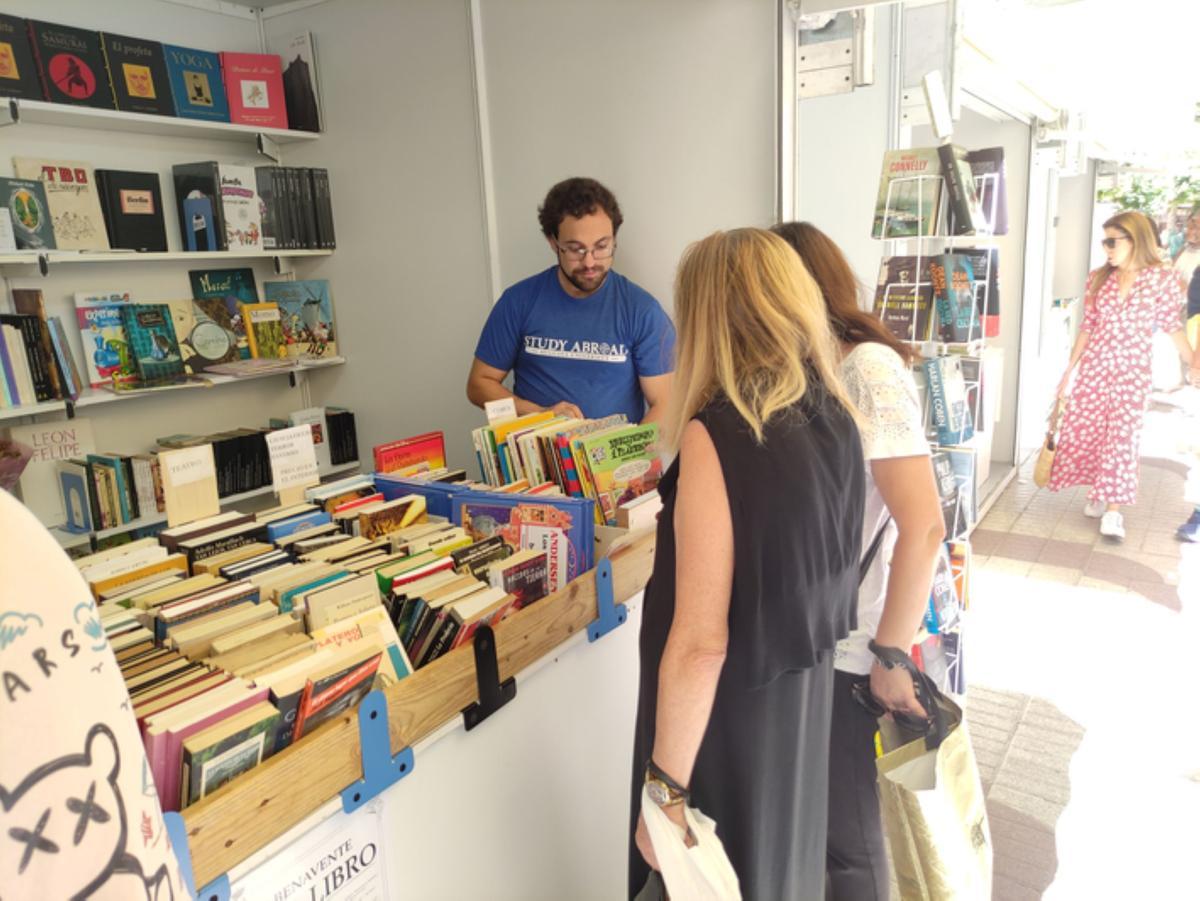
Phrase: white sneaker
pixel 1095 509
pixel 1112 525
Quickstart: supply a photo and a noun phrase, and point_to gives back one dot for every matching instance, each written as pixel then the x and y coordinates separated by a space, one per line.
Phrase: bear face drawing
pixel 64 823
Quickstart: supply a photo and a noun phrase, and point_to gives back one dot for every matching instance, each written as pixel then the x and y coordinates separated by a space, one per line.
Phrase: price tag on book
pixel 189 478
pixel 293 462
pixel 500 410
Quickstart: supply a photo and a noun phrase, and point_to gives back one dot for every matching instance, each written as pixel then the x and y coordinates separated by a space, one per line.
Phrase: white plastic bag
pixel 700 873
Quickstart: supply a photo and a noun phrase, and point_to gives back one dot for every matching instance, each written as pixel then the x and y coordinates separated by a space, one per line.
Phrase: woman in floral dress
pixel 1127 300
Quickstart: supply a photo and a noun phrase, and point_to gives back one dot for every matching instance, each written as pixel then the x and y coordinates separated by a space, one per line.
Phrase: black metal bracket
pixel 44 263
pixel 493 694
pixel 13 110
pixel 268 148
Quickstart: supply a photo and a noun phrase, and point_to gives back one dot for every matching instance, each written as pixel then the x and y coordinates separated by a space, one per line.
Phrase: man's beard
pixel 579 284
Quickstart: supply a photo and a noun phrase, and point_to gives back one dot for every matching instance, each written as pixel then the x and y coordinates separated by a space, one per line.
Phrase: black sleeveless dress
pixel 796 502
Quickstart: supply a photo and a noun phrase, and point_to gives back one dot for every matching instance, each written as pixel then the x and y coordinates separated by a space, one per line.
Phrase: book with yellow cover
pixel 264 330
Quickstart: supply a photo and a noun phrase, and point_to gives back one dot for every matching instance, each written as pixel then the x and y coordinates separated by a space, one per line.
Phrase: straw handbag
pixel 1045 460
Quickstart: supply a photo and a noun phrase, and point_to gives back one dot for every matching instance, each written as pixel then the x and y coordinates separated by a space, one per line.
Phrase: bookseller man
pixel 579 338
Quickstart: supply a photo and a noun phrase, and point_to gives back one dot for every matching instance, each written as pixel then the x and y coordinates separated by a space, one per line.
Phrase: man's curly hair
pixel 577 197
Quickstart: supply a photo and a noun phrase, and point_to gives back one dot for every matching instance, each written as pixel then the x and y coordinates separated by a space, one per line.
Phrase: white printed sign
pixel 341 859
pixel 188 465
pixel 293 458
pixel 500 410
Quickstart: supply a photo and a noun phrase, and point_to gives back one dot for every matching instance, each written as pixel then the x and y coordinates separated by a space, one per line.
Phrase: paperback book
pixel 29 213
pixel 151 336
pixel 106 351
pixel 948 400
pixel 264 331
pixel 306 311
pixel 227 288
pixel 910 194
pixel 904 298
pixel 954 296
pixel 623 463
pixel 73 199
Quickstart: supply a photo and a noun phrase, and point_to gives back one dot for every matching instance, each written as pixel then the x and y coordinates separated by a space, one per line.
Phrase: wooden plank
pixel 259 806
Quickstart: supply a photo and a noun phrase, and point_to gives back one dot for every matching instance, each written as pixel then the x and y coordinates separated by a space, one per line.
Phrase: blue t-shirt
pixel 589 351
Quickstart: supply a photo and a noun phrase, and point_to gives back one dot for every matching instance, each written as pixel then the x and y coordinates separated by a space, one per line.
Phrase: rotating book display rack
pixel 937 291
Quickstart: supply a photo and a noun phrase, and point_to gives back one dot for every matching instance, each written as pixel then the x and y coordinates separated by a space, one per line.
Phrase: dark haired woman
pixel 902 504
pixel 1129 298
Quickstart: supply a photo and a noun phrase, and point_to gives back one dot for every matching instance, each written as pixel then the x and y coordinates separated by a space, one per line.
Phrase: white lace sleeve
pixel 886 396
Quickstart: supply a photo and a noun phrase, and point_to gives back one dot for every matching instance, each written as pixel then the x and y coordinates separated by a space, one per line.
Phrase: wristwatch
pixel 663 790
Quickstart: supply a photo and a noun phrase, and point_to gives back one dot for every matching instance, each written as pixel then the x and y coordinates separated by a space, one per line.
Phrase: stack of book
pixel 608 461
pixel 36 362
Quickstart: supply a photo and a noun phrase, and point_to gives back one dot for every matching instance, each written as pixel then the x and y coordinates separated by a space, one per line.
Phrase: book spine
pixel 39 369
pixel 960 205
pixel 9 393
pixel 266 196
pixel 36 46
pixel 62 355
pixel 443 641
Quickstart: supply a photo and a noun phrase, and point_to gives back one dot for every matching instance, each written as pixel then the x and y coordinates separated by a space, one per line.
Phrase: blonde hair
pixel 752 326
pixel 1141 231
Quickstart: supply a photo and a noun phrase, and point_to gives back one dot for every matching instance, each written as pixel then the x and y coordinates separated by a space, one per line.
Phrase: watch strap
pixel 654 771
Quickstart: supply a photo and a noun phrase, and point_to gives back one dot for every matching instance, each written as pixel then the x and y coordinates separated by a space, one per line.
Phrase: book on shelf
pixel 50 443
pixel 196 84
pixel 623 463
pixel 640 512
pixel 562 527
pixel 214 756
pixel 985 265
pixel 942 613
pixel 31 351
pixel 219 294
pixel 904 297
pixel 300 84
pixel 408 455
pixel 962 200
pixel 200 207
pixel 240 207
pixel 132 206
pixel 306 310
pixel 18 68
pixel 53 351
pixel 524 575
pixel 369 626
pixel 73 199
pixel 254 85
pixel 8 234
pixel 264 330
pixel 138 74
pixel 343 435
pixel 910 194
pixel 29 213
pixel 151 335
pixel 953 513
pixel 106 351
pixel 954 297
pixel 476 558
pixel 330 693
pixel 948 400
pixel 71 65
pixel 987 168
pixel 341 600
pixel 206 336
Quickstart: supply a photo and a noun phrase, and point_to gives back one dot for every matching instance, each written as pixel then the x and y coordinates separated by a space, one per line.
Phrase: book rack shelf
pixel 260 805
pixel 69 539
pixel 17 111
pixel 44 259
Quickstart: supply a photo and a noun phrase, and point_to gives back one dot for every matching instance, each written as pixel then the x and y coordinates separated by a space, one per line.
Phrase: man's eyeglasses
pixel 602 251
pixel 1110 243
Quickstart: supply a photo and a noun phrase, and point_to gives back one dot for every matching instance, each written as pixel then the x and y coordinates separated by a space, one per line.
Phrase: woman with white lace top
pixel 903 506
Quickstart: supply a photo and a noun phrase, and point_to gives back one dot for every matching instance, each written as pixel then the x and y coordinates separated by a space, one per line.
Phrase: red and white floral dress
pixel 1100 431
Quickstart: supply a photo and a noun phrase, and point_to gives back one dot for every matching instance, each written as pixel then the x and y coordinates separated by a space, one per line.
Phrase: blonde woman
pixel 1127 300
pixel 756 569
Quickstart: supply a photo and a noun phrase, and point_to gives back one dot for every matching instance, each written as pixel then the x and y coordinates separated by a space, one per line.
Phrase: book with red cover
pixel 254 84
pixel 409 452
pixel 326 698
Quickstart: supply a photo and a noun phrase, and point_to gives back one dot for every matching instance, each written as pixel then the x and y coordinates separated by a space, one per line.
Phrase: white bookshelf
pixel 50 406
pixel 69 539
pixel 74 257
pixel 38 112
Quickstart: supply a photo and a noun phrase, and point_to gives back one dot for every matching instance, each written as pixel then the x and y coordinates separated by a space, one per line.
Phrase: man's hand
pixel 567 409
pixel 893 688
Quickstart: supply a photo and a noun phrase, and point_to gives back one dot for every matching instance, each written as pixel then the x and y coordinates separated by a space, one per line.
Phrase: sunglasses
pixel 861 691
pixel 1110 243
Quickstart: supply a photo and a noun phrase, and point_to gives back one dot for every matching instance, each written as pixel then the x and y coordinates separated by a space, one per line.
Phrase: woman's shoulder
pixel 872 361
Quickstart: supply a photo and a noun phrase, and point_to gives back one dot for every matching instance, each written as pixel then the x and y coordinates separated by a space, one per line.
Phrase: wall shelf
pixel 69 539
pixel 43 258
pixel 39 112
pixel 50 406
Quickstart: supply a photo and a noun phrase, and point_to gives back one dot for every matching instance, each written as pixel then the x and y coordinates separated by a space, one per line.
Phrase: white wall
pixel 840 148
pixel 671 104
pixel 409 277
pixel 1074 229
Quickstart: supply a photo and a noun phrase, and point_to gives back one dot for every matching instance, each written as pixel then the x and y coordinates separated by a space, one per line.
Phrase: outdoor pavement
pixel 1082 659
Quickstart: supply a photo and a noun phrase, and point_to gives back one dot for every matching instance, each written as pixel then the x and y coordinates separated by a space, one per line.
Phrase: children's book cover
pixel 306 310
pixel 106 349
pixel 232 288
pixel 624 464
pixel 264 330
pixel 152 340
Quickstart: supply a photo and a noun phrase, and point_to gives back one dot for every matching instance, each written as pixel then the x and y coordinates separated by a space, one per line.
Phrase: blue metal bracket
pixel 218 889
pixel 610 615
pixel 381 769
